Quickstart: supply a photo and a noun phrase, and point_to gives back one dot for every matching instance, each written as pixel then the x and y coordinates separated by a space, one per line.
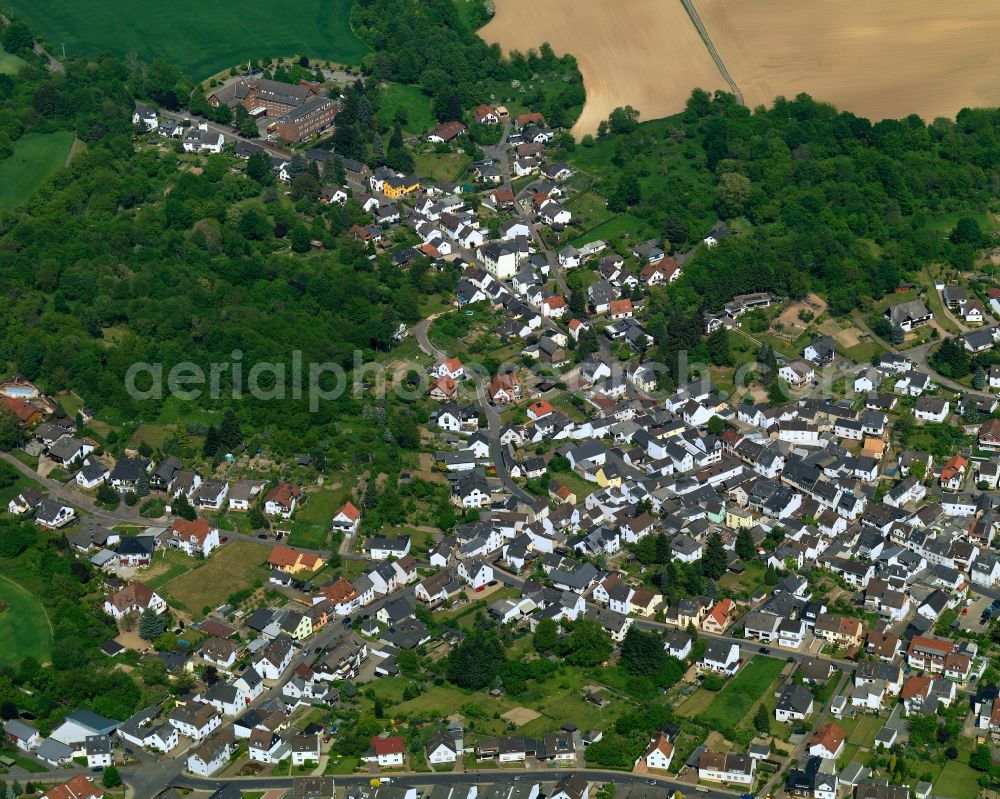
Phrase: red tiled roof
pixel 79 787
pixel 830 736
pixel 199 529
pixel 916 686
pixel 391 745
pixel 541 408
pixel 21 409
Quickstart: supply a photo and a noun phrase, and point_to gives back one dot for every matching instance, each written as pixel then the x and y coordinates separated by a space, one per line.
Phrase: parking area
pixel 975 620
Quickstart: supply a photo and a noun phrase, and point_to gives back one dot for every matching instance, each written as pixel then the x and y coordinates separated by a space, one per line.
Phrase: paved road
pixel 493 421
pixel 485 777
pixel 68 493
pixel 500 152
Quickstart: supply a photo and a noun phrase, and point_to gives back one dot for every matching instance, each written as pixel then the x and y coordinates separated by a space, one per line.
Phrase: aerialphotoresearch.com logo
pixel 319 382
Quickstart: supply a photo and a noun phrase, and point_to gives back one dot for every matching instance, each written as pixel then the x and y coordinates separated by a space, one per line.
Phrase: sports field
pixel 200 38
pixel 24 627
pixel 37 157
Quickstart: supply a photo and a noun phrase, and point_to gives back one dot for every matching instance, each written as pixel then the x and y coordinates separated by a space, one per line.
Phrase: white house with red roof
pixel 196 537
pixel 540 409
pixel 78 787
pixel 827 741
pixel 576 327
pixel 281 500
pixel 553 307
pixel 387 752
pixel 718 618
pixel 484 115
pixel 450 368
pixel 347 519
pixel 659 754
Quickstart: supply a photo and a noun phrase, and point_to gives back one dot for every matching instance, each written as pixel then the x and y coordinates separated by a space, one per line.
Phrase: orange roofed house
pixel 25 413
pixel 281 500
pixel 450 368
pixel 193 538
pixel 718 618
pixel 620 309
pixel 293 561
pixel 659 754
pixel 347 519
pixel 79 787
pixel 540 409
pixel 827 741
pixel 484 115
pixel 443 389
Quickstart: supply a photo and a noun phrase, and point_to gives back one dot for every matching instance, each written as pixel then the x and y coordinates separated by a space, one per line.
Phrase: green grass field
pixel 37 157
pixel 199 38
pixel 10 64
pixel 412 102
pixel 732 704
pixel 311 526
pixel 232 568
pixel 957 780
pixel 24 628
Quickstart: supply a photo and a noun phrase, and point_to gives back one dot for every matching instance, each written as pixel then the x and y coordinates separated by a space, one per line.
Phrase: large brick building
pixel 312 116
pixel 276 97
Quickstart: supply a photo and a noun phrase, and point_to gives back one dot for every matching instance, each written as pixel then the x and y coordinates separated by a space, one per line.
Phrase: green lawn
pixel 10 64
pixel 451 166
pixel 199 38
pixel 236 566
pixel 732 704
pixel 863 352
pixel 866 729
pixel 412 102
pixel 612 230
pixel 957 780
pixel 310 528
pixel 18 485
pixel 24 628
pixel 37 157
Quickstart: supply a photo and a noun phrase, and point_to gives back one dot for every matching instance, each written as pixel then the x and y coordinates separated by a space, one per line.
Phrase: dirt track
pixel 883 59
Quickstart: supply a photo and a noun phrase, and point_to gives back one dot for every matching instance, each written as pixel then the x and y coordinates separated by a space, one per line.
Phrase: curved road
pixel 493 420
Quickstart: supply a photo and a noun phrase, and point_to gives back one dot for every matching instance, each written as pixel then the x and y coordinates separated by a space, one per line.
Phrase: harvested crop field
pixel 643 53
pixel 880 60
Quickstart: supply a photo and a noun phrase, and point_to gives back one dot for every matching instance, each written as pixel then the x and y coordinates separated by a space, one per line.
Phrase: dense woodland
pixel 430 45
pixel 821 200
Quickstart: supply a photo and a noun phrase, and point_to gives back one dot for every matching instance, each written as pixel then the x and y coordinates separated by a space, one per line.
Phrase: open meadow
pixel 199 38
pixel 234 567
pixel 645 53
pixel 25 630
pixel 880 60
pixel 37 157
